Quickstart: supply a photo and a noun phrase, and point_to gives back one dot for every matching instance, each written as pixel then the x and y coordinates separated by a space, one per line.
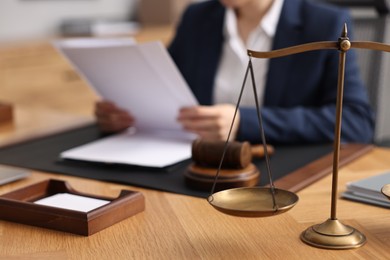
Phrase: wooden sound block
pixel 208 154
pixel 202 178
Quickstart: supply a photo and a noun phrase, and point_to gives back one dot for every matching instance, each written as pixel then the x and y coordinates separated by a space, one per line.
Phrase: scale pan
pixel 386 190
pixel 252 202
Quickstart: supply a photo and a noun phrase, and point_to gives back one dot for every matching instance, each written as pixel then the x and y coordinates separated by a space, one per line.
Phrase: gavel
pixel 237 169
pixel 238 155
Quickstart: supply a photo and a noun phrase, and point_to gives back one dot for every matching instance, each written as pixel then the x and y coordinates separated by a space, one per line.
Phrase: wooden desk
pixel 49 97
pixel 181 227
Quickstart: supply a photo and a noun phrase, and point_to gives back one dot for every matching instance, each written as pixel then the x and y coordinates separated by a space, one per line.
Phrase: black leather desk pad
pixel 42 154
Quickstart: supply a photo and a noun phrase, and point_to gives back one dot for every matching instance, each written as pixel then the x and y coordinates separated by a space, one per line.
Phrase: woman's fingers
pixel 110 118
pixel 209 122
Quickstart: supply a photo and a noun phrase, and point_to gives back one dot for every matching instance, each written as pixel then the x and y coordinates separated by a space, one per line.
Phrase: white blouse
pixel 234 59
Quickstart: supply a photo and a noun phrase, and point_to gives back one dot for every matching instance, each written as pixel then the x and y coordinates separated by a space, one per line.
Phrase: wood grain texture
pixel 181 227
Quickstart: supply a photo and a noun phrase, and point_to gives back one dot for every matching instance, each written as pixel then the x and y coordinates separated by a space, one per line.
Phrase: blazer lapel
pixel 288 33
pixel 209 54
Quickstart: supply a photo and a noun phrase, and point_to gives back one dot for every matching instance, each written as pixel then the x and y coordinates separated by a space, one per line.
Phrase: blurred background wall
pixel 35 19
pixel 31 19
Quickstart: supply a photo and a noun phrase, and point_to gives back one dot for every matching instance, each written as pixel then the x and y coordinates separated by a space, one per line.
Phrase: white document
pixel 143 79
pixel 72 202
pixel 153 149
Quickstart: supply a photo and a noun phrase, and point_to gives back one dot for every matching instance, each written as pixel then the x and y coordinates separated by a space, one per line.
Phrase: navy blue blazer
pixel 300 92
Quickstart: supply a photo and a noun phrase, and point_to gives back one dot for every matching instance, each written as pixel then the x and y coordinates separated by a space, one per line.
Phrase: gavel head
pixel 209 154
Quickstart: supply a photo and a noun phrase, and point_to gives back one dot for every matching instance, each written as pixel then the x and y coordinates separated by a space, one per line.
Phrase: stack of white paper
pixel 72 202
pixel 369 190
pixel 143 79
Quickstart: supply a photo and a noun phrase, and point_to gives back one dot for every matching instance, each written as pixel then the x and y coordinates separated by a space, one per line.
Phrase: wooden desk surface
pixel 181 227
pixel 49 96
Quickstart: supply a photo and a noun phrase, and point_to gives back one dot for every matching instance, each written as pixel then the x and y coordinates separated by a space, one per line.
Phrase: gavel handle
pixel 258 150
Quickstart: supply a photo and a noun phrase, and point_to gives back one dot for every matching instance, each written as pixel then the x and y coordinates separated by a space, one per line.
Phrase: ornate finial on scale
pixel 344 43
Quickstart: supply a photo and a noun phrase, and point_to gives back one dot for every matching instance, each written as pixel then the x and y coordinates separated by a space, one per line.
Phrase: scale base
pixel 332 234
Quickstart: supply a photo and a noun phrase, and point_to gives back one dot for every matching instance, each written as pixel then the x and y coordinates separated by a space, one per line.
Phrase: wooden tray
pixel 18 206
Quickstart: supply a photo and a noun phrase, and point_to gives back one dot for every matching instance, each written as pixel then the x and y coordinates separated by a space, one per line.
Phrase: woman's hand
pixel 111 118
pixel 210 122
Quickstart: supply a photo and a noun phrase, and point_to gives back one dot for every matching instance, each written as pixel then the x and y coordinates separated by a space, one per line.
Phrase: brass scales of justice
pixel 269 201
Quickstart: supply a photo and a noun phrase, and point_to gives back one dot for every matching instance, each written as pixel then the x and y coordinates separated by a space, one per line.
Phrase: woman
pixel 297 93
